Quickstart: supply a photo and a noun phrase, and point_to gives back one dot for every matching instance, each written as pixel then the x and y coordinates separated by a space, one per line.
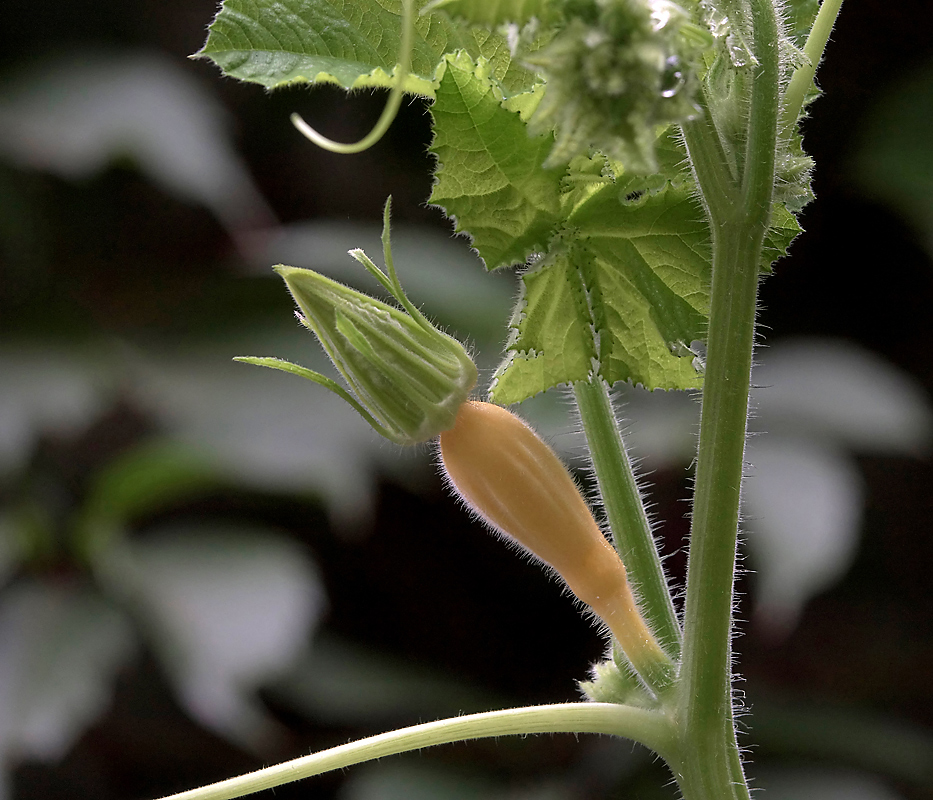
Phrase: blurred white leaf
pixel 802 506
pixel 60 648
pixel 271 430
pixel 440 273
pixel 842 393
pixel 660 427
pixel 802 783
pixel 228 609
pixel 345 684
pixel 75 116
pixel 45 389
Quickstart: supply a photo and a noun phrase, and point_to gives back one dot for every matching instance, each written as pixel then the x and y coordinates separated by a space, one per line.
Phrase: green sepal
pixel 317 377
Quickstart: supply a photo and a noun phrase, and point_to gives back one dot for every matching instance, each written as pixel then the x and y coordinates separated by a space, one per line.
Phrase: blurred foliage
pixel 205 567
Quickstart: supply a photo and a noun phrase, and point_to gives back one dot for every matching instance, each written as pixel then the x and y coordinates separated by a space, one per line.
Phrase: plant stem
pixel 651 728
pixel 711 767
pixel 706 671
pixel 631 529
pixel 802 78
pixel 709 161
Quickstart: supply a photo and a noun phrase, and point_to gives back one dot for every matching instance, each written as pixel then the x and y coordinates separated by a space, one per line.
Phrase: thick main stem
pixel 706 696
pixel 711 767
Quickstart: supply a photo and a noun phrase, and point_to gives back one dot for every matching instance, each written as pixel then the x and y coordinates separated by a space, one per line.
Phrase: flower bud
pixel 615 71
pixel 408 379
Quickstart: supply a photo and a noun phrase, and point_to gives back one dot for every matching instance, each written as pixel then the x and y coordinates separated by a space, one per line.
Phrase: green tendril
pixel 392 106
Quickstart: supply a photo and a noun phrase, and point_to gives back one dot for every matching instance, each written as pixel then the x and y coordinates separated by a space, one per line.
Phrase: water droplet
pixel 673 79
pixel 717 22
pixel 662 13
pixel 739 53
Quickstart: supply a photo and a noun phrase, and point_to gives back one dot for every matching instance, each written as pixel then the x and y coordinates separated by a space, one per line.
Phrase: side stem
pixel 631 530
pixel 802 78
pixel 650 728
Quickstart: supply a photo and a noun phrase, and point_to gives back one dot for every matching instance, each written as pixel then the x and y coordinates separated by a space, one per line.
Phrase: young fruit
pixel 510 478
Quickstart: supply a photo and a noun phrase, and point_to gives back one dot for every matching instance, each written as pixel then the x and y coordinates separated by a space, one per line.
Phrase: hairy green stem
pixel 625 511
pixel 711 767
pixel 706 696
pixel 651 728
pixel 802 78
pixel 710 163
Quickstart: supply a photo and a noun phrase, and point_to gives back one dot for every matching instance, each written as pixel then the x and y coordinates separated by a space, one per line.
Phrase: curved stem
pixel 392 104
pixel 631 530
pixel 803 77
pixel 648 727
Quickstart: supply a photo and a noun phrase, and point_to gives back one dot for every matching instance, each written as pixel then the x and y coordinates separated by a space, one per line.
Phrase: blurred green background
pixel 208 567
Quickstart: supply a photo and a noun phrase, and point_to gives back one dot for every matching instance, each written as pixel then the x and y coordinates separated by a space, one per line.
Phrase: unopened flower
pixel 406 378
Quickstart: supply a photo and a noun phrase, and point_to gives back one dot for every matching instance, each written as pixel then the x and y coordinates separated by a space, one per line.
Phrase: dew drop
pixel 717 22
pixel 739 53
pixel 673 79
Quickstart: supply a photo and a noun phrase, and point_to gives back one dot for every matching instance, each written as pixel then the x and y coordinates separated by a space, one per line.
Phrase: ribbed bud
pixel 406 378
pixel 411 377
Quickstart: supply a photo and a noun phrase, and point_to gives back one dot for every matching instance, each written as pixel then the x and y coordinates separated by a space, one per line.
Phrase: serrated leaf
pixel 643 271
pixel 784 229
pixel 353 43
pixel 489 176
pixel 551 335
pixel 621 280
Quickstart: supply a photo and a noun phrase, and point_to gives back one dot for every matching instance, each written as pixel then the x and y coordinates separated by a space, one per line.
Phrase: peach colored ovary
pixel 518 485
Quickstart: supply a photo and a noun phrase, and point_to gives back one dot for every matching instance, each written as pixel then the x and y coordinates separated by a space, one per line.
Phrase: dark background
pixel 114 255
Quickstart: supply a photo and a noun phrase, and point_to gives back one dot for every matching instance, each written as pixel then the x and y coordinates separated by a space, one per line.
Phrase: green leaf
pixel 489 176
pixel 800 16
pixel 627 298
pixel 620 278
pixel 784 229
pixel 352 43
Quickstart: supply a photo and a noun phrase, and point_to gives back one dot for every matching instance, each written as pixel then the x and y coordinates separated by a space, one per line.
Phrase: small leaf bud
pixel 615 71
